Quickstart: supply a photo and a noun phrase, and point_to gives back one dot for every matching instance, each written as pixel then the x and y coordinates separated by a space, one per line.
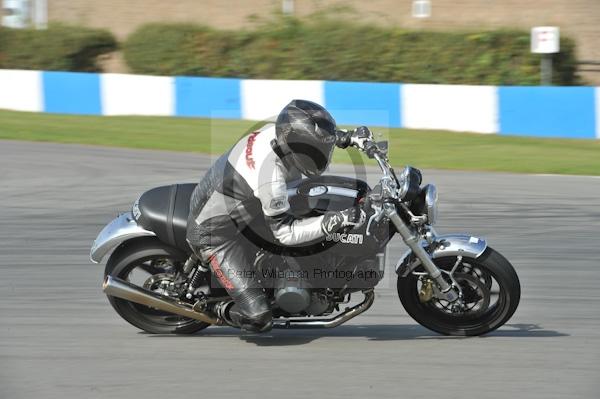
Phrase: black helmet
pixel 306 136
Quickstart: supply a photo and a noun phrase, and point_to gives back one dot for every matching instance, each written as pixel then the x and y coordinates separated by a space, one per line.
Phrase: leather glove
pixel 354 137
pixel 335 221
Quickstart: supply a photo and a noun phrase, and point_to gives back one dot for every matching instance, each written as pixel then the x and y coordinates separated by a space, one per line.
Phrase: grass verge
pixel 421 148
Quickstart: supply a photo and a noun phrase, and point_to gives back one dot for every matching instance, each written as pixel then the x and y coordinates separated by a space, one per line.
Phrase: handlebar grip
pixel 343 139
pixel 371 149
pixel 363 132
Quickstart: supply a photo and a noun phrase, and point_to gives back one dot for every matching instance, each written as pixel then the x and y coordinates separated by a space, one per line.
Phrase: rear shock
pixel 197 276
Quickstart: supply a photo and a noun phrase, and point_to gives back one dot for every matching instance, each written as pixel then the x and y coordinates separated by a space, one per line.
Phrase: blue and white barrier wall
pixel 570 112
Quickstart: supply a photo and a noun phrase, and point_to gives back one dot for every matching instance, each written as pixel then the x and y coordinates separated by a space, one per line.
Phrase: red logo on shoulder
pixel 249 146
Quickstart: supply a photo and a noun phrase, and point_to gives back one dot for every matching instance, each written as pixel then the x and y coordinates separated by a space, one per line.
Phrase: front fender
pixel 121 229
pixel 453 245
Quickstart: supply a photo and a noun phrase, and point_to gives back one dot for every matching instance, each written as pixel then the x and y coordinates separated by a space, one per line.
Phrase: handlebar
pixel 388 184
pixel 372 150
pixel 390 189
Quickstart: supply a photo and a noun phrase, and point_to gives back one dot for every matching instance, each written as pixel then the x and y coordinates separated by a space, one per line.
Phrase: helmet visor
pixel 312 157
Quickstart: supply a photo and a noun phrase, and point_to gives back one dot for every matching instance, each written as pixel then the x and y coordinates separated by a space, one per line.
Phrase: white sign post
pixel 545 40
pixel 287 7
pixel 421 8
pixel 16 13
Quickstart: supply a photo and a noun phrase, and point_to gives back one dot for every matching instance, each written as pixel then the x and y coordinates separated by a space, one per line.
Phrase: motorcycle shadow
pixel 371 332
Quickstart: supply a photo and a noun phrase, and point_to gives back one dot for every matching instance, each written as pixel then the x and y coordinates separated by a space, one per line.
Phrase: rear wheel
pixel 154 266
pixel 490 295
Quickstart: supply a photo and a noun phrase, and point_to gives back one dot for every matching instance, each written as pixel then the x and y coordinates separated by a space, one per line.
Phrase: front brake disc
pixel 475 292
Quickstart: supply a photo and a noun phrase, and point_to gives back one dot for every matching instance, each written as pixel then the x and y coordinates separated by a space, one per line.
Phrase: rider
pixel 251 180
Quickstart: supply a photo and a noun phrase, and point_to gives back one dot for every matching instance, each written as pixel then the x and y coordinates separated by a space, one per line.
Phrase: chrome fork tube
pixel 412 239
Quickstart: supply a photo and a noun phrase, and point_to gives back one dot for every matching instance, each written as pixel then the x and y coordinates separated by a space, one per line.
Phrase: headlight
pixel 431 199
pixel 410 181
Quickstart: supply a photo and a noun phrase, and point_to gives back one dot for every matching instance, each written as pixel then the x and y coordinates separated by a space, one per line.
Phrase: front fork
pixel 412 239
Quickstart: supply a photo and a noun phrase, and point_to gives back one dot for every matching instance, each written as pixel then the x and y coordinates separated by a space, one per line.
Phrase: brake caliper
pixel 426 291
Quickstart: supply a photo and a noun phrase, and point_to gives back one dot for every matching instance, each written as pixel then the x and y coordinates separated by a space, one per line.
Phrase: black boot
pixel 233 270
pixel 256 323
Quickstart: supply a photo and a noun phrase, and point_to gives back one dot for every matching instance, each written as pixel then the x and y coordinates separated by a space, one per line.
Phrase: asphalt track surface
pixel 59 337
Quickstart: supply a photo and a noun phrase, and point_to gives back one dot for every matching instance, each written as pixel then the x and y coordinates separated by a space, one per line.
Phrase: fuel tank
pixel 317 195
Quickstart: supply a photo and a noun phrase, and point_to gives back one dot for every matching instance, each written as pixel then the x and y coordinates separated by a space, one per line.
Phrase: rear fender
pixel 121 229
pixel 453 245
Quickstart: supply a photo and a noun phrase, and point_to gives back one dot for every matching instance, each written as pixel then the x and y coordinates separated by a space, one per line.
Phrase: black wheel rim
pixel 139 273
pixel 485 296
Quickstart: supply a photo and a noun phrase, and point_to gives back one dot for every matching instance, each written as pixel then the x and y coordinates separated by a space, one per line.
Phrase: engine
pixel 295 301
pixel 290 283
pixel 301 287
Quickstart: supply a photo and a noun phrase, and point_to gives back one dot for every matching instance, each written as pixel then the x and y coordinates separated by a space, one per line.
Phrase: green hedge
pixel 325 49
pixel 59 47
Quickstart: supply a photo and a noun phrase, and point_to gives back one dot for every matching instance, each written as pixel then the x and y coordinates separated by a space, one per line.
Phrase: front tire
pixel 146 259
pixel 491 287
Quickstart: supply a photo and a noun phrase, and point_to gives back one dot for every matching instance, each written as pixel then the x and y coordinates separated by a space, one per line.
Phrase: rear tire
pixel 122 262
pixel 431 314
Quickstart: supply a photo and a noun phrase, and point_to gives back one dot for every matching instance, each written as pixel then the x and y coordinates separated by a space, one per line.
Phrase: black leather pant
pixel 233 268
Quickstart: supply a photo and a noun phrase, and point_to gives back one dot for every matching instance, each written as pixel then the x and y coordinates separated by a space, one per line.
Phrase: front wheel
pixel 490 294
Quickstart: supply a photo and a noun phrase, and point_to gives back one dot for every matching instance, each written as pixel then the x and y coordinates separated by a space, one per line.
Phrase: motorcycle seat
pixel 164 211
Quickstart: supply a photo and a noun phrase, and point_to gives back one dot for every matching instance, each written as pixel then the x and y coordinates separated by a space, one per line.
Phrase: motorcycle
pixel 453 284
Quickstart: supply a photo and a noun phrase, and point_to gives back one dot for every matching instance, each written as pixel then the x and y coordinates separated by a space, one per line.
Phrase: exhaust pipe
pixel 341 318
pixel 119 288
